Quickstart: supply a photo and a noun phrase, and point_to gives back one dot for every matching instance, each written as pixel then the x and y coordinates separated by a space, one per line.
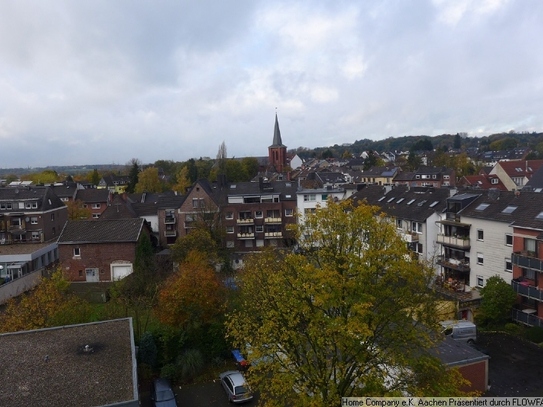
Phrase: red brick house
pixel 94 251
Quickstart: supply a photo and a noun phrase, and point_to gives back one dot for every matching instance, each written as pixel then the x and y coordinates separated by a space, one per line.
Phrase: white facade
pixel 309 199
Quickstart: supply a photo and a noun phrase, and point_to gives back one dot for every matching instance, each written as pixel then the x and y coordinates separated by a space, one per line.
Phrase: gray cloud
pixel 102 82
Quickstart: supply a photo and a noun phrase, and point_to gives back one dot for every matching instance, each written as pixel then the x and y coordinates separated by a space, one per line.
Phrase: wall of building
pixel 95 255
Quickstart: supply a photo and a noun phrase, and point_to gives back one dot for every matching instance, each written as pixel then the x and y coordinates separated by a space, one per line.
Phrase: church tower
pixel 277 152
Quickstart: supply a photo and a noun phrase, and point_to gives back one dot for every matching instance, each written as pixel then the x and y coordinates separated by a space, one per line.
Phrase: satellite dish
pixel 27 219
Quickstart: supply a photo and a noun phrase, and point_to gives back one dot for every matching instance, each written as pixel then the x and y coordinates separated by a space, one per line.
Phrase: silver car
pixel 236 387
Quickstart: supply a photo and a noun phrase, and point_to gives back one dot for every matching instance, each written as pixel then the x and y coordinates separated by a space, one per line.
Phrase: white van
pixel 460 330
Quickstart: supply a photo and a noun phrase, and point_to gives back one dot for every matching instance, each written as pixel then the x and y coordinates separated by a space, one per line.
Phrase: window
pixel 419 248
pixel 410 202
pixel 508 265
pixel 289 212
pixel 96 206
pixel 310 197
pixel 539 216
pixel 258 214
pixel 480 234
pixel 230 244
pixel 5 206
pixel 259 228
pixel 248 243
pixel 95 215
pixel 494 181
pixel 400 200
pixel 417 227
pixel 198 203
pixel 391 199
pixel 35 236
pixel 399 223
pixel 529 274
pixel 480 281
pixel 324 197
pixel 480 259
pixel 34 220
pixel 508 240
pixel 530 246
pixel 482 207
pixel 509 209
pixel 229 215
pixel 52 217
pixel 230 229
pixel 77 252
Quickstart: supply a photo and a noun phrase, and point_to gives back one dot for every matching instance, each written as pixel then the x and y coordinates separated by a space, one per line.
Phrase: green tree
pixel 250 167
pixel 95 177
pixel 148 181
pixel 200 240
pixel 349 315
pixel 497 300
pixel 133 175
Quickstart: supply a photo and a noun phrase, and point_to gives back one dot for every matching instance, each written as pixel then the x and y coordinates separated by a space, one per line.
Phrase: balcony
pixel 528 289
pixel 245 221
pixel 526 316
pixel 273 235
pixel 527 260
pixel 170 233
pixel 170 220
pixel 273 220
pixel 462 242
pixel 410 237
pixel 452 263
pixel 246 235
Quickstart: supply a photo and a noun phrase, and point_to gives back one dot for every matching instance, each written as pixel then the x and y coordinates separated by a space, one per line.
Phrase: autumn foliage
pixel 194 294
pixel 49 304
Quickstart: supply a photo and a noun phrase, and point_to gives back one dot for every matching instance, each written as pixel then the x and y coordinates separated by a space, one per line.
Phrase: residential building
pixel 114 183
pixel 257 214
pixel 379 175
pixel 309 199
pixel 515 174
pixel 436 177
pixel 94 365
pixel 95 200
pixel 105 250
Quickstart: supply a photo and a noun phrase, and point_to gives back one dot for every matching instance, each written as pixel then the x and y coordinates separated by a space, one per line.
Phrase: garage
pixel 120 270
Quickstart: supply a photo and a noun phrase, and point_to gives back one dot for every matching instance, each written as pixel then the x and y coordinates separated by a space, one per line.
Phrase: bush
pixel 147 350
pixel 535 334
pixel 513 329
pixel 169 371
pixel 190 364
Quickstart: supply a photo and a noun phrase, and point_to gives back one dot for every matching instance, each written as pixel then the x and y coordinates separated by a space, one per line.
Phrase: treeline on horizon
pixel 420 144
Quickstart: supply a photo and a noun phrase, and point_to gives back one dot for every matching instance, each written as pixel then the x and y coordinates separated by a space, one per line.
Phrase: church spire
pixel 277 142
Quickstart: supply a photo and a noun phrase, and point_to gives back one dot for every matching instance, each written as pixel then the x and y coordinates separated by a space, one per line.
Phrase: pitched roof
pixel 101 231
pixel 44 196
pixel 520 168
pixel 482 181
pixel 405 203
pixel 92 195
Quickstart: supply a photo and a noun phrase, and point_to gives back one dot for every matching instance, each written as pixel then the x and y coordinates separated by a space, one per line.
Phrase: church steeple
pixel 277 142
pixel 277 152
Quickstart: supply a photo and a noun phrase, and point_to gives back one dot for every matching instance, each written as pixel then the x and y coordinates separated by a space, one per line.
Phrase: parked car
pixel 162 394
pixel 236 387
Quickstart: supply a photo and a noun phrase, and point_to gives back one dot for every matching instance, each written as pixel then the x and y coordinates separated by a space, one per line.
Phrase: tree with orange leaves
pixel 194 294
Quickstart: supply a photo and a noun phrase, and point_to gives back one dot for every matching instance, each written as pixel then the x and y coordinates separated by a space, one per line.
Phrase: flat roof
pixel 77 365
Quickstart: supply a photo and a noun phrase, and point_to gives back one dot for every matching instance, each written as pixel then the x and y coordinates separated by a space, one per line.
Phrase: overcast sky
pixel 101 82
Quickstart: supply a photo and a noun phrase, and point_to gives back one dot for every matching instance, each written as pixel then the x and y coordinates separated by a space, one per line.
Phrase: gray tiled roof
pixel 405 203
pixel 101 231
pixel 44 196
pixel 93 195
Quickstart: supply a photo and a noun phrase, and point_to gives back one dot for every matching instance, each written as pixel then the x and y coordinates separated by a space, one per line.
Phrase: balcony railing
pixel 170 220
pixel 170 233
pixel 458 241
pixel 455 264
pixel 272 235
pixel 410 237
pixel 526 316
pixel 527 260
pixel 272 220
pixel 246 235
pixel 527 289
pixel 246 221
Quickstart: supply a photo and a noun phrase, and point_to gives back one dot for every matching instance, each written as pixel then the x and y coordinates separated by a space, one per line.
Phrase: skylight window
pixel 380 199
pixel 482 207
pixel 390 200
pixel 509 209
pixel 422 202
pixel 434 204
pixel 410 202
pixel 400 200
pixel 539 216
